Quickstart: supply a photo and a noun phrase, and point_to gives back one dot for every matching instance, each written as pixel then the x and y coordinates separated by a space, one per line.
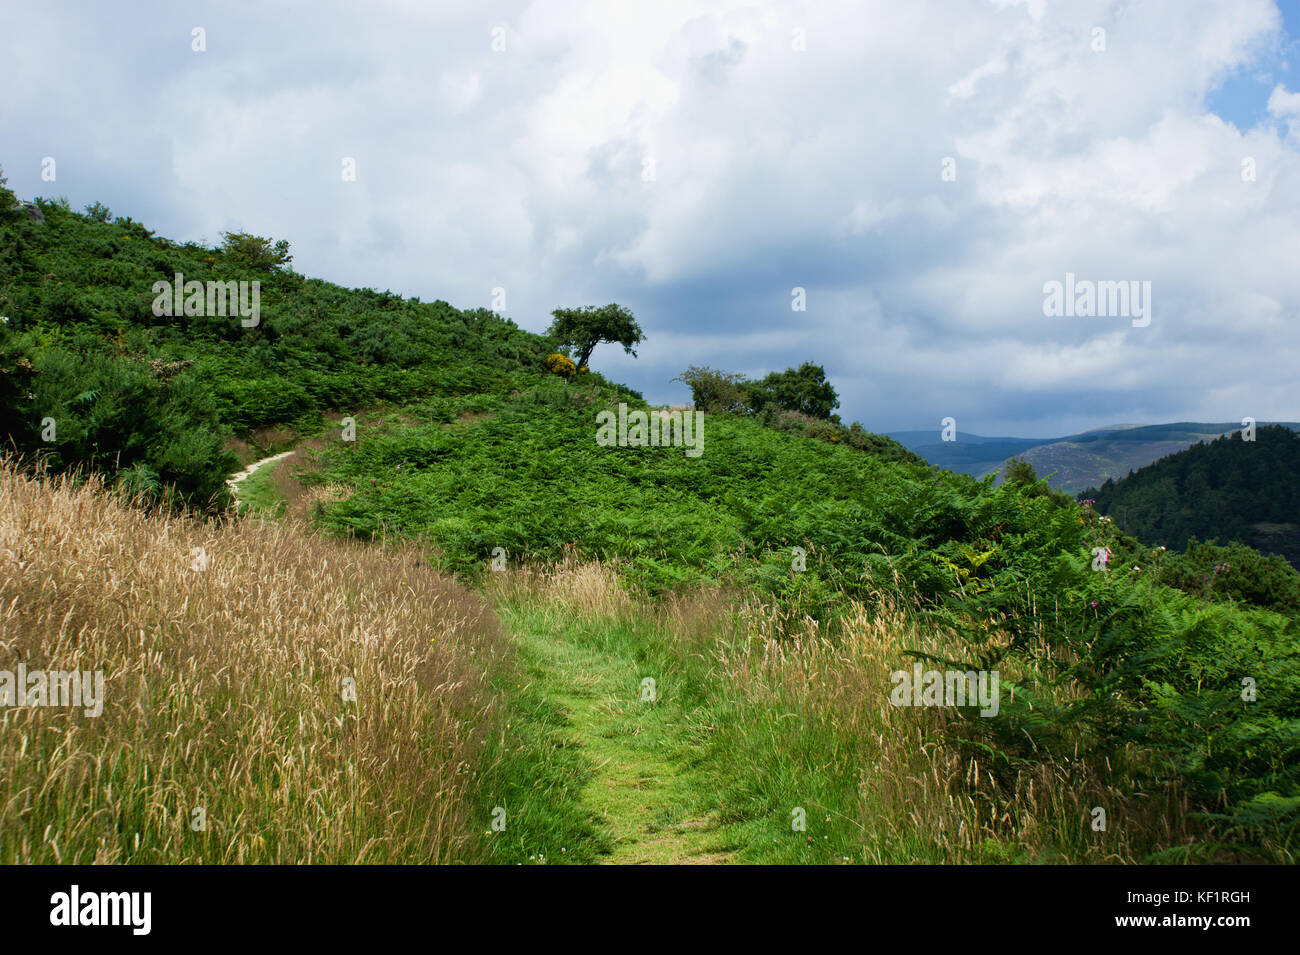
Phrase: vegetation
pixel 1221 490
pixel 582 329
pixel 228 733
pixel 771 587
pixel 795 401
pixel 561 365
pixel 803 390
pixel 124 387
pixel 1234 572
pixel 1109 669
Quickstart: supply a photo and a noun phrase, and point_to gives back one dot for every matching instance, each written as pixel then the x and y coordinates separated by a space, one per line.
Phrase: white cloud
pixel 773 167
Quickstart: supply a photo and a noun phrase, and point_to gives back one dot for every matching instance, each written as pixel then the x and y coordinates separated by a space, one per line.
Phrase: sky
pixel 919 171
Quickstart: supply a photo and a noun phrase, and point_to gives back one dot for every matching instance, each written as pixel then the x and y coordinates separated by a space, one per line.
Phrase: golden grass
pixel 225 690
pixel 579 590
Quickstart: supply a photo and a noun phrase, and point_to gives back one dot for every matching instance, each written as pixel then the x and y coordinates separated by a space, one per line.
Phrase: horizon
pixel 695 166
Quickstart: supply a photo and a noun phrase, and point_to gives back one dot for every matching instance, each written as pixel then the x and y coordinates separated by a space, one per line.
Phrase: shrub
pixel 714 391
pixel 255 252
pixel 561 365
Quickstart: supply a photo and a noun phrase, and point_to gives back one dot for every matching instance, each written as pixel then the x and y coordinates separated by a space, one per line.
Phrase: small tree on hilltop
pixel 582 329
pixel 255 252
pixel 803 389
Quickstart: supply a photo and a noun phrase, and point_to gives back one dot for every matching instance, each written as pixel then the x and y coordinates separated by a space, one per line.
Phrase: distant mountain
pixel 969 454
pixel 1227 489
pixel 1074 462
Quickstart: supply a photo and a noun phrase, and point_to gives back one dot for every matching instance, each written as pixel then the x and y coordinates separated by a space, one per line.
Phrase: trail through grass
pixel 252 486
pixel 640 790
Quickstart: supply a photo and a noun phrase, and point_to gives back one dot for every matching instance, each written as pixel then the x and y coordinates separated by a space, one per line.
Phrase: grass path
pixel 640 791
pixel 241 476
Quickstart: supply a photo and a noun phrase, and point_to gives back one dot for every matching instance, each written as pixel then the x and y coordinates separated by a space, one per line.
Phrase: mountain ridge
pixel 1072 462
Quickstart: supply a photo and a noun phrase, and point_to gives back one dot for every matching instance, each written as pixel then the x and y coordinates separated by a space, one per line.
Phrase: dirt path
pixel 640 790
pixel 236 479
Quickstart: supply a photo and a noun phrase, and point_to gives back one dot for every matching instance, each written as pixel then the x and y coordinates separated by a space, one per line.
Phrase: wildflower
pixel 1094 603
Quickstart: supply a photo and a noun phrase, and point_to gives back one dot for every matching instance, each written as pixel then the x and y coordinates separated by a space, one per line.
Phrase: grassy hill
pixel 159 398
pixel 771 588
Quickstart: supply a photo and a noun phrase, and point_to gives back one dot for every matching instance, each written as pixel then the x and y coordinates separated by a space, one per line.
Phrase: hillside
pixel 1226 489
pixel 160 397
pixel 1089 459
pixel 783 566
pixel 92 376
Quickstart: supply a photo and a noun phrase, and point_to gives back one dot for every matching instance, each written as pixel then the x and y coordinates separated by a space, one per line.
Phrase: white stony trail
pixel 235 479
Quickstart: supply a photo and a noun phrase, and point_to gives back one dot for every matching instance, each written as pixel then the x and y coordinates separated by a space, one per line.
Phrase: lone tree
pixel 582 329
pixel 255 252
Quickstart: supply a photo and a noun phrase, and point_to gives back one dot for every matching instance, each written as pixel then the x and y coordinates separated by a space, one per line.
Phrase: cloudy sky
pixel 920 169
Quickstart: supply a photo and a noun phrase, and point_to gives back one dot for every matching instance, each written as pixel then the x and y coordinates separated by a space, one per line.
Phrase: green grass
pixel 634 783
pixel 713 768
pixel 537 776
pixel 258 494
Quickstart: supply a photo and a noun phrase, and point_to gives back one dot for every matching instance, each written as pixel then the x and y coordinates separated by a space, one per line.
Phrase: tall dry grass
pixel 225 671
